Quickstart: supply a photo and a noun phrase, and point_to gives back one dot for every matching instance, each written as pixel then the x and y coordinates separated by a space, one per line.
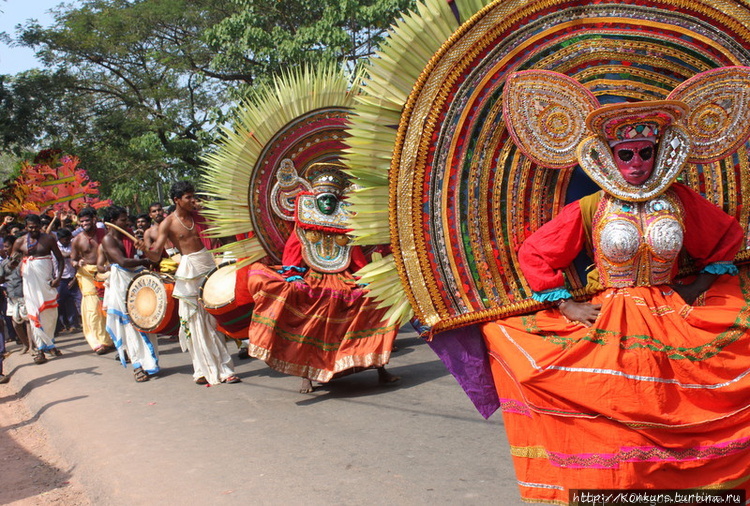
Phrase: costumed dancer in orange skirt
pixel 311 318
pixel 647 385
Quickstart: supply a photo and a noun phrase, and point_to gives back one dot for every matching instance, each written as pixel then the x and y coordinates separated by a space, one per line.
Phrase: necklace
pixel 29 244
pixel 191 227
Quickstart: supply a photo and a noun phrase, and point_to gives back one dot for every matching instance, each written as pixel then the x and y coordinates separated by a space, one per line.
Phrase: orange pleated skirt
pixel 319 329
pixel 656 395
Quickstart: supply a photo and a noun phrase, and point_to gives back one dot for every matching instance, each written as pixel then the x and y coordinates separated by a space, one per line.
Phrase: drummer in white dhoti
pixel 208 350
pixel 142 348
pixel 40 284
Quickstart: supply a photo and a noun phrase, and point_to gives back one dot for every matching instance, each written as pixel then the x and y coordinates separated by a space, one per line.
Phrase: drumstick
pixel 125 233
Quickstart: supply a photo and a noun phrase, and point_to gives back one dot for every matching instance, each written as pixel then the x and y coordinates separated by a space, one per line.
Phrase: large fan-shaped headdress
pixel 463 196
pixel 259 166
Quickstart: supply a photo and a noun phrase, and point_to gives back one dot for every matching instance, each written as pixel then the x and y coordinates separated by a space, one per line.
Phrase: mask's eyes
pixel 625 154
pixel 646 153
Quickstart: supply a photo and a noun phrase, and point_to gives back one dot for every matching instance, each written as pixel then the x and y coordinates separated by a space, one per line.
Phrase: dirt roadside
pixel 31 471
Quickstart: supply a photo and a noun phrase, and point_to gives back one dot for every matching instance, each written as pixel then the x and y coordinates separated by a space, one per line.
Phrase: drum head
pixel 147 301
pixel 218 288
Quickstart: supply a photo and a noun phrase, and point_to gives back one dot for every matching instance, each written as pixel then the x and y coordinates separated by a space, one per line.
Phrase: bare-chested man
pixel 40 284
pixel 168 253
pixel 142 348
pixel 83 255
pixel 211 361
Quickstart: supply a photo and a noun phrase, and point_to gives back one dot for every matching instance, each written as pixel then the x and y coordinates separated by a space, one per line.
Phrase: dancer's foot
pixel 306 387
pixel 386 378
pixel 39 358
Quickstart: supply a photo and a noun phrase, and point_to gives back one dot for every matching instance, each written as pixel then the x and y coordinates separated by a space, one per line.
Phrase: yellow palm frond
pixel 390 77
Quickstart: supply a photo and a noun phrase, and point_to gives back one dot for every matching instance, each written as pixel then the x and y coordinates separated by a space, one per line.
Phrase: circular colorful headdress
pixel 462 193
pixel 259 167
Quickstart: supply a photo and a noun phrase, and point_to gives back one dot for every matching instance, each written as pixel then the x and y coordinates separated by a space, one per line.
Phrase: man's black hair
pixel 88 211
pixel 143 216
pixel 63 233
pixel 111 213
pixel 33 218
pixel 180 188
pixel 154 204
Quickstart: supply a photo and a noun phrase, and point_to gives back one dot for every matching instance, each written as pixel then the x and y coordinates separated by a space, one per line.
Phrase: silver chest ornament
pixel 638 243
pixel 323 250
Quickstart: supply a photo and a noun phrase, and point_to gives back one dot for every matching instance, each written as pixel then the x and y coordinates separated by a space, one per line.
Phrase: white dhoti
pixel 198 333
pixel 41 300
pixel 142 348
pixel 16 309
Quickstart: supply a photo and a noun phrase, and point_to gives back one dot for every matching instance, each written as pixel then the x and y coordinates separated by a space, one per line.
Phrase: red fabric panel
pixel 358 259
pixel 292 251
pixel 548 251
pixel 711 235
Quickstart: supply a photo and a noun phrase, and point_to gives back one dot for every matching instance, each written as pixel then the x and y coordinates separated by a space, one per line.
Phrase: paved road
pixel 169 441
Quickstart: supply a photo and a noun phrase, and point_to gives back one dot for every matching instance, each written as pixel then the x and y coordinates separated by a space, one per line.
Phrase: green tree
pixel 267 36
pixel 138 88
pixel 141 69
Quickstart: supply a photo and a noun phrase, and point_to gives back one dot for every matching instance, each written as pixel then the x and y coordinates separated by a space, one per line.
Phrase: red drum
pixel 150 304
pixel 99 280
pixel 223 295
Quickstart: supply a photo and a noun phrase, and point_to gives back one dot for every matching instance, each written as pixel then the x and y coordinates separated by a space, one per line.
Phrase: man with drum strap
pixel 83 255
pixel 211 361
pixel 142 348
pixel 40 284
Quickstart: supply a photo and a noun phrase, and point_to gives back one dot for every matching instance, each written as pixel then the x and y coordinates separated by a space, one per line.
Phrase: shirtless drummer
pixel 83 255
pixel 211 361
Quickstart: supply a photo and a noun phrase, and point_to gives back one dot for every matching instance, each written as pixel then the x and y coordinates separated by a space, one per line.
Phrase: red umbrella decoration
pixel 54 182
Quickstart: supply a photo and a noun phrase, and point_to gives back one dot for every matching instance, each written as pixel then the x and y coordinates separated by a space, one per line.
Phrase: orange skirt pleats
pixel 319 329
pixel 655 395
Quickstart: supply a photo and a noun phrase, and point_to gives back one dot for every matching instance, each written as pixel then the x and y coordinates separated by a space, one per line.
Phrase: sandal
pixel 140 375
pixel 103 349
pixel 39 358
pixel 201 381
pixel 231 379
pixel 55 352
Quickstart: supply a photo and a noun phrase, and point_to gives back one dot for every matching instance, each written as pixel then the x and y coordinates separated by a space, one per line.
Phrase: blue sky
pixel 15 12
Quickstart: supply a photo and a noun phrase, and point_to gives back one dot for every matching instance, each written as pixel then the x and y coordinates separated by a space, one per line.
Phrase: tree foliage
pixel 267 36
pixel 135 73
pixel 138 88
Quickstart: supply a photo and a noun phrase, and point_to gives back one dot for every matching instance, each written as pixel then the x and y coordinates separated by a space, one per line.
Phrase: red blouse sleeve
pixel 711 235
pixel 292 251
pixel 358 259
pixel 551 249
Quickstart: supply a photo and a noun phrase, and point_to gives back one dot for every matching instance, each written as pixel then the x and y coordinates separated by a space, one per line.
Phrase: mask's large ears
pixel 545 113
pixel 719 118
pixel 284 192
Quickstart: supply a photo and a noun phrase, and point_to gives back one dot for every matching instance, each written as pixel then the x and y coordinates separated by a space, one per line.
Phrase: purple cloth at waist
pixel 464 354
